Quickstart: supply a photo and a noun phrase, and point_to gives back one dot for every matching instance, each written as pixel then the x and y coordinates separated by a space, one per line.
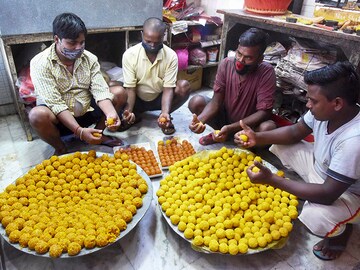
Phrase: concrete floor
pixel 17 155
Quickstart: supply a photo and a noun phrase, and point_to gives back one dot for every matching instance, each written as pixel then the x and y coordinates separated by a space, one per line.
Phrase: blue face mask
pixel 72 54
pixel 150 49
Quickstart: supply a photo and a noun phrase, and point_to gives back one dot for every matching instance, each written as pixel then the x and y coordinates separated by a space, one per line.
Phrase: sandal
pixel 169 130
pixel 321 256
pixel 125 126
pixel 207 140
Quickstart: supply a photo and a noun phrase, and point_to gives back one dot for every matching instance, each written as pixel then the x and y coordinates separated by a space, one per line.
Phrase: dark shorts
pixel 220 119
pixel 144 106
pixel 85 120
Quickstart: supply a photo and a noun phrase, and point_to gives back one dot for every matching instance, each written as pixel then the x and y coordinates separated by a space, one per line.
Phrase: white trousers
pixel 321 220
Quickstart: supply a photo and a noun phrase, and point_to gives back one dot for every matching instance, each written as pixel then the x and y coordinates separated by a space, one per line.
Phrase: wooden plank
pixel 350 44
pixel 41 37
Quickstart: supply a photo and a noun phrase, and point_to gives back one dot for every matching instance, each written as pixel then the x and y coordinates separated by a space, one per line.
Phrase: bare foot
pixel 331 248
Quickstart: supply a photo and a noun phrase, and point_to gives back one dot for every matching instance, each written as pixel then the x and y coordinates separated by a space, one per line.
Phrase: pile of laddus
pixel 173 150
pixel 72 202
pixel 210 201
pixel 142 157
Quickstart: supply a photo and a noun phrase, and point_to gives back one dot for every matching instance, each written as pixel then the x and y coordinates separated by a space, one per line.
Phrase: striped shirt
pixel 60 90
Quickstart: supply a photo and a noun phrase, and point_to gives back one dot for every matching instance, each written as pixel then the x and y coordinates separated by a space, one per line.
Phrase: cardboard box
pixel 193 75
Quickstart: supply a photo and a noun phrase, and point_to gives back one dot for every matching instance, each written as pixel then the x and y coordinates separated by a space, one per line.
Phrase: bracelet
pixel 75 133
pixel 81 132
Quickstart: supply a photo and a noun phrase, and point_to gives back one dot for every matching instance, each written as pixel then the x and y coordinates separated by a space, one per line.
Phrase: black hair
pixel 336 80
pixel 254 37
pixel 155 24
pixel 68 25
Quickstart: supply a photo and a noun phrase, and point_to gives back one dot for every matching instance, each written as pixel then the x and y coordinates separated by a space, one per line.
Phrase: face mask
pixel 240 68
pixel 72 54
pixel 150 49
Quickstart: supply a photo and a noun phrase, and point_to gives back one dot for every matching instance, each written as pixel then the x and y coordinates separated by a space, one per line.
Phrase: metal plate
pixel 273 245
pixel 131 225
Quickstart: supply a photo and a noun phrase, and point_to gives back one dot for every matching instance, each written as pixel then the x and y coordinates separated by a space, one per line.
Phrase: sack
pixel 198 57
pixel 26 87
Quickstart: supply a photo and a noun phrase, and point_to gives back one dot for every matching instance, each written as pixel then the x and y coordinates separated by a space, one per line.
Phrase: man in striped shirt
pixel 71 91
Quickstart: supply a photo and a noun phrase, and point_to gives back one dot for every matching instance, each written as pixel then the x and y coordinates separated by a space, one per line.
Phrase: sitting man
pixel 150 73
pixel 330 166
pixel 244 90
pixel 71 92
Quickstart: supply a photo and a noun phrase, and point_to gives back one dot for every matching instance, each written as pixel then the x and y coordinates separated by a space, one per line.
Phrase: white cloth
pixel 321 220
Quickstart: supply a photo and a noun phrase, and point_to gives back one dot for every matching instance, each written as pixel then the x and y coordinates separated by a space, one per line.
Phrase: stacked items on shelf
pixel 345 18
pixel 195 35
pixel 302 56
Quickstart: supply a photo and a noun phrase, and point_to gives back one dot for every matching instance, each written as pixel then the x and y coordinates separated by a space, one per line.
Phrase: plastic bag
pixel 26 87
pixel 183 58
pixel 197 57
pixel 174 4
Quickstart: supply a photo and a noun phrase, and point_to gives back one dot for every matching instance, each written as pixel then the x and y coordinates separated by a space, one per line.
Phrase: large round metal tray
pixel 274 245
pixel 130 226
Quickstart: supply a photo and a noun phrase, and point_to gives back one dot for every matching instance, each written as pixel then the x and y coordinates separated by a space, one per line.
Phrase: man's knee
pixel 197 104
pixel 182 88
pixel 40 115
pixel 267 125
pixel 120 95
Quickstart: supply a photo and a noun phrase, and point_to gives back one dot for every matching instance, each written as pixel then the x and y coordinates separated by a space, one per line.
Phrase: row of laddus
pixel 210 201
pixel 173 150
pixel 69 203
pixel 142 157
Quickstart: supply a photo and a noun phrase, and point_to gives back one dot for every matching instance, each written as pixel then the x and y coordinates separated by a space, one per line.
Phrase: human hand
pixel 90 135
pixel 164 120
pixel 196 125
pixel 246 137
pixel 221 135
pixel 112 122
pixel 259 174
pixel 129 117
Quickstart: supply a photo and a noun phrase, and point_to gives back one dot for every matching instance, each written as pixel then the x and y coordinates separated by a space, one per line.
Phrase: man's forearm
pixel 256 118
pixel 68 120
pixel 107 107
pixel 209 112
pixel 167 98
pixel 131 99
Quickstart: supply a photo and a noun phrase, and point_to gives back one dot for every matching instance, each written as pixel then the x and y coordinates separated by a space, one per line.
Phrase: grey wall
pixel 36 16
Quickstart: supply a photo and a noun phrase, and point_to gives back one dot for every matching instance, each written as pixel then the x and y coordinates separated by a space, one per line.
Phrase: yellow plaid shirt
pixel 60 90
